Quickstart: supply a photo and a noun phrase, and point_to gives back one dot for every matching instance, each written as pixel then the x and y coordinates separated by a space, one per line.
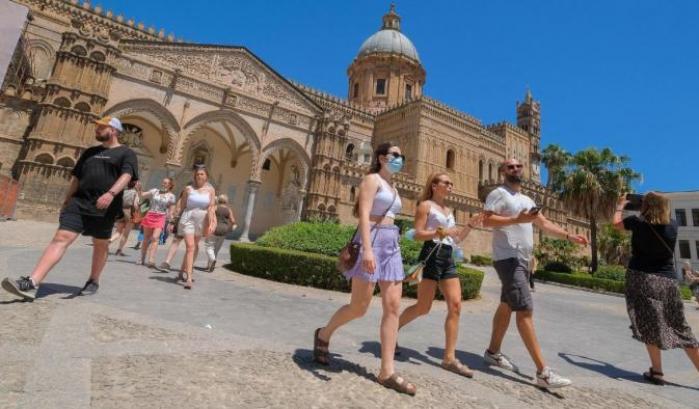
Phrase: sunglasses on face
pixel 513 167
pixel 396 155
pixel 446 182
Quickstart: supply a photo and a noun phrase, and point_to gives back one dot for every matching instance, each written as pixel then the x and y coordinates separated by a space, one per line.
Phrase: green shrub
pixel 320 237
pixel 611 272
pixel 581 280
pixel 404 224
pixel 685 292
pixel 317 270
pixel 324 237
pixel 481 260
pixel 557 267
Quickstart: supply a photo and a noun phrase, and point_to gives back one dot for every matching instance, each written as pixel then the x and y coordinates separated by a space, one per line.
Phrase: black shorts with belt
pixel 440 265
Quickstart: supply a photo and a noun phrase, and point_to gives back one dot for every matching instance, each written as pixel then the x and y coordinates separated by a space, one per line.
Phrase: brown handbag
pixel 350 252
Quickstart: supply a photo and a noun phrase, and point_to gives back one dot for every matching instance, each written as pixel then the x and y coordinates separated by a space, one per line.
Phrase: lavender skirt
pixel 389 263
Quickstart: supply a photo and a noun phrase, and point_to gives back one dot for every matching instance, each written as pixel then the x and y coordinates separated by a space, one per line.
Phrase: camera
pixel 634 203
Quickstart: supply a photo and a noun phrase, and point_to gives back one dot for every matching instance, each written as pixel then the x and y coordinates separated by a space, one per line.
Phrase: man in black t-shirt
pixel 93 202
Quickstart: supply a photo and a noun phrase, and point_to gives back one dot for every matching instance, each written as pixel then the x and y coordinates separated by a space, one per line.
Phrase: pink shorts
pixel 154 220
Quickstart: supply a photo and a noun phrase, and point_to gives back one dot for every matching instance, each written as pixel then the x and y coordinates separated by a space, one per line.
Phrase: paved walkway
pixel 235 341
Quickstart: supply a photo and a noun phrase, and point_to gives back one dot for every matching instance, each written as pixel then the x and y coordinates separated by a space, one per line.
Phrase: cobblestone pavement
pixel 237 341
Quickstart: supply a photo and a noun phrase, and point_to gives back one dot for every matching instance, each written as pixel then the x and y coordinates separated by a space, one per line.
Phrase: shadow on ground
pixel 612 371
pixel 304 359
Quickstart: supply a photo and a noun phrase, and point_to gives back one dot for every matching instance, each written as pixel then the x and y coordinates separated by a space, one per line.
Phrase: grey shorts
pixel 514 276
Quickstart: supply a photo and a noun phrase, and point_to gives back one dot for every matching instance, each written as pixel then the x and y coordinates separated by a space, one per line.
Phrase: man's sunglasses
pixel 446 182
pixel 199 166
pixel 512 167
pixel 396 155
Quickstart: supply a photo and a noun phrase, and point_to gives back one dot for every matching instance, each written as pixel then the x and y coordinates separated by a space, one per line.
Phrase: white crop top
pixel 384 200
pixel 435 219
pixel 198 200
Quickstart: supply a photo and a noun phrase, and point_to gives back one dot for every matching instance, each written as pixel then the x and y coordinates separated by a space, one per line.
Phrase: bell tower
pixel 529 119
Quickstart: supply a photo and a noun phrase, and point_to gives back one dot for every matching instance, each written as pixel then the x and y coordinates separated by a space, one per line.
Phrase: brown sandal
pixel 321 354
pixel 458 368
pixel 654 377
pixel 398 384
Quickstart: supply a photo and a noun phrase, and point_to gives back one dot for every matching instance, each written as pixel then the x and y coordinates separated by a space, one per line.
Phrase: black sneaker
pixel 90 288
pixel 23 287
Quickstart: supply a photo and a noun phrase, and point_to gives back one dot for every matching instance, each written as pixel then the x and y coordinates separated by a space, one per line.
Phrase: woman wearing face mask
pixel 162 205
pixel 379 261
pixel 198 218
pixel 435 224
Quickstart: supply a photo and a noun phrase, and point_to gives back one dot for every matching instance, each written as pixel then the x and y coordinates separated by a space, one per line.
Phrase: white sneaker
pixel 550 379
pixel 500 360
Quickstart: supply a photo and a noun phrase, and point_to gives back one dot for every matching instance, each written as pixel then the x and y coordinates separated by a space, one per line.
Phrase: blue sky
pixel 622 74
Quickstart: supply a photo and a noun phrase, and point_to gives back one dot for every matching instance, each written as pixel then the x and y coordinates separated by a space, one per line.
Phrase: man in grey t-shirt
pixel 511 215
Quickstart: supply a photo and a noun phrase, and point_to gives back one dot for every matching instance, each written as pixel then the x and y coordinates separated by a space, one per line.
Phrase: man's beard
pixel 514 179
pixel 102 138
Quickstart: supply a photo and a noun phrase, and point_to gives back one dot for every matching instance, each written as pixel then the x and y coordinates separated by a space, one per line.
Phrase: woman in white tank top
pixel 198 205
pixel 435 224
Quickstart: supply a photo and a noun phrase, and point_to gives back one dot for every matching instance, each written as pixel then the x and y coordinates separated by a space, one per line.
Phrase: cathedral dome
pixel 389 39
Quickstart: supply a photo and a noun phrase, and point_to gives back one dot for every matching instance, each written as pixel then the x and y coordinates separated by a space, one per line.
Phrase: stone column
pixel 252 187
pixel 302 193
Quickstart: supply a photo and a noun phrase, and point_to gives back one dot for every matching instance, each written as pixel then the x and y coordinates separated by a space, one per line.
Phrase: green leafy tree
pixel 555 159
pixel 614 245
pixel 590 185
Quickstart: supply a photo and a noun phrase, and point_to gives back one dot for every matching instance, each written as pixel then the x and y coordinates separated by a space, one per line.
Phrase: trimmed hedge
pixel 481 260
pixel 596 283
pixel 558 267
pixel 325 238
pixel 318 270
pixel 611 272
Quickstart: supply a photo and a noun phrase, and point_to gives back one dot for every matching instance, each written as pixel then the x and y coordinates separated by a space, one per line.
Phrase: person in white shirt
pixel 511 215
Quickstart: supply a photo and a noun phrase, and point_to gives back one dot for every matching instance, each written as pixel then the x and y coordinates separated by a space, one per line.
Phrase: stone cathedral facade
pixel 282 151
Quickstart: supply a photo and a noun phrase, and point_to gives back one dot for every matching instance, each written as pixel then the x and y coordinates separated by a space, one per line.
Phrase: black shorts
pixel 99 227
pixel 514 276
pixel 440 265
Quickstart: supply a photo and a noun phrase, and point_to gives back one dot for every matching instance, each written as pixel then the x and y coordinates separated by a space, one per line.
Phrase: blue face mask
pixel 394 165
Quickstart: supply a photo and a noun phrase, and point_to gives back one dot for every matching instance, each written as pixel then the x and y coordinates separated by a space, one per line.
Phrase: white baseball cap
pixel 111 121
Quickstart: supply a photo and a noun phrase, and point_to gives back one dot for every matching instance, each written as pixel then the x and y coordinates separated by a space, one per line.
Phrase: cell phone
pixel 635 201
pixel 535 210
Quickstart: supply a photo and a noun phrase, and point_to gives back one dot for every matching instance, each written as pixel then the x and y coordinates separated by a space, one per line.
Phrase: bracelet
pixel 619 209
pixel 111 193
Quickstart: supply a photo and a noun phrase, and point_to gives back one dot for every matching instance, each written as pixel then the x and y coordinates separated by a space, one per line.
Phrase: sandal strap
pixel 655 373
pixel 398 383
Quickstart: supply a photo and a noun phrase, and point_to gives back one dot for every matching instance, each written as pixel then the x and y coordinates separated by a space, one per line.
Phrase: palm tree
pixel 555 159
pixel 591 184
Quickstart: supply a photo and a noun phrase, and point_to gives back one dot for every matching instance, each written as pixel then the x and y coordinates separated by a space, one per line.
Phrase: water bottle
pixel 410 234
pixel 458 254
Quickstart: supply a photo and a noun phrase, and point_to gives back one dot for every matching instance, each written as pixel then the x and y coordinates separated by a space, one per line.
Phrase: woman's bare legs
pixel 451 289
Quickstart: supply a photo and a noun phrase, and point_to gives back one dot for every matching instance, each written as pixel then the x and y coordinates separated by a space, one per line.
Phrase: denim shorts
pixel 440 265
pixel 514 276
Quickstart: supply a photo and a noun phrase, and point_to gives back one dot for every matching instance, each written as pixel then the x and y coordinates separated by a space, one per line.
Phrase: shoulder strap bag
pixel 414 273
pixel 350 252
pixel 672 253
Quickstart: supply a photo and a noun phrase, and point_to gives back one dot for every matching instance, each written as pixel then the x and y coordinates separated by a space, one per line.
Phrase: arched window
pixel 98 56
pixel 349 152
pixel 66 162
pixel 355 92
pixel 490 172
pixel 480 170
pixel 353 194
pixel 79 50
pixel 44 158
pixel 450 159
pixel 82 106
pixel 267 165
pixel 62 102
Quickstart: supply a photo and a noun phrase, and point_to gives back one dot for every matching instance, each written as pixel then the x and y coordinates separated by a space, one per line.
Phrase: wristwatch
pixel 111 193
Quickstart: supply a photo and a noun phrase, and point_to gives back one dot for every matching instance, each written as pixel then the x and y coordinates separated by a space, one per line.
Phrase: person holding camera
pixel 92 204
pixel 511 215
pixel 652 293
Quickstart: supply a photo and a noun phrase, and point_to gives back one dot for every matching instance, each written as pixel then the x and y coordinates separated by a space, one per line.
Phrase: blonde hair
pixel 655 208
pixel 222 199
pixel 427 191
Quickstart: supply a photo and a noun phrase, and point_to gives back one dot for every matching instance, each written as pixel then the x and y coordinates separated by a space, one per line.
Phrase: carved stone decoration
pixel 233 67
